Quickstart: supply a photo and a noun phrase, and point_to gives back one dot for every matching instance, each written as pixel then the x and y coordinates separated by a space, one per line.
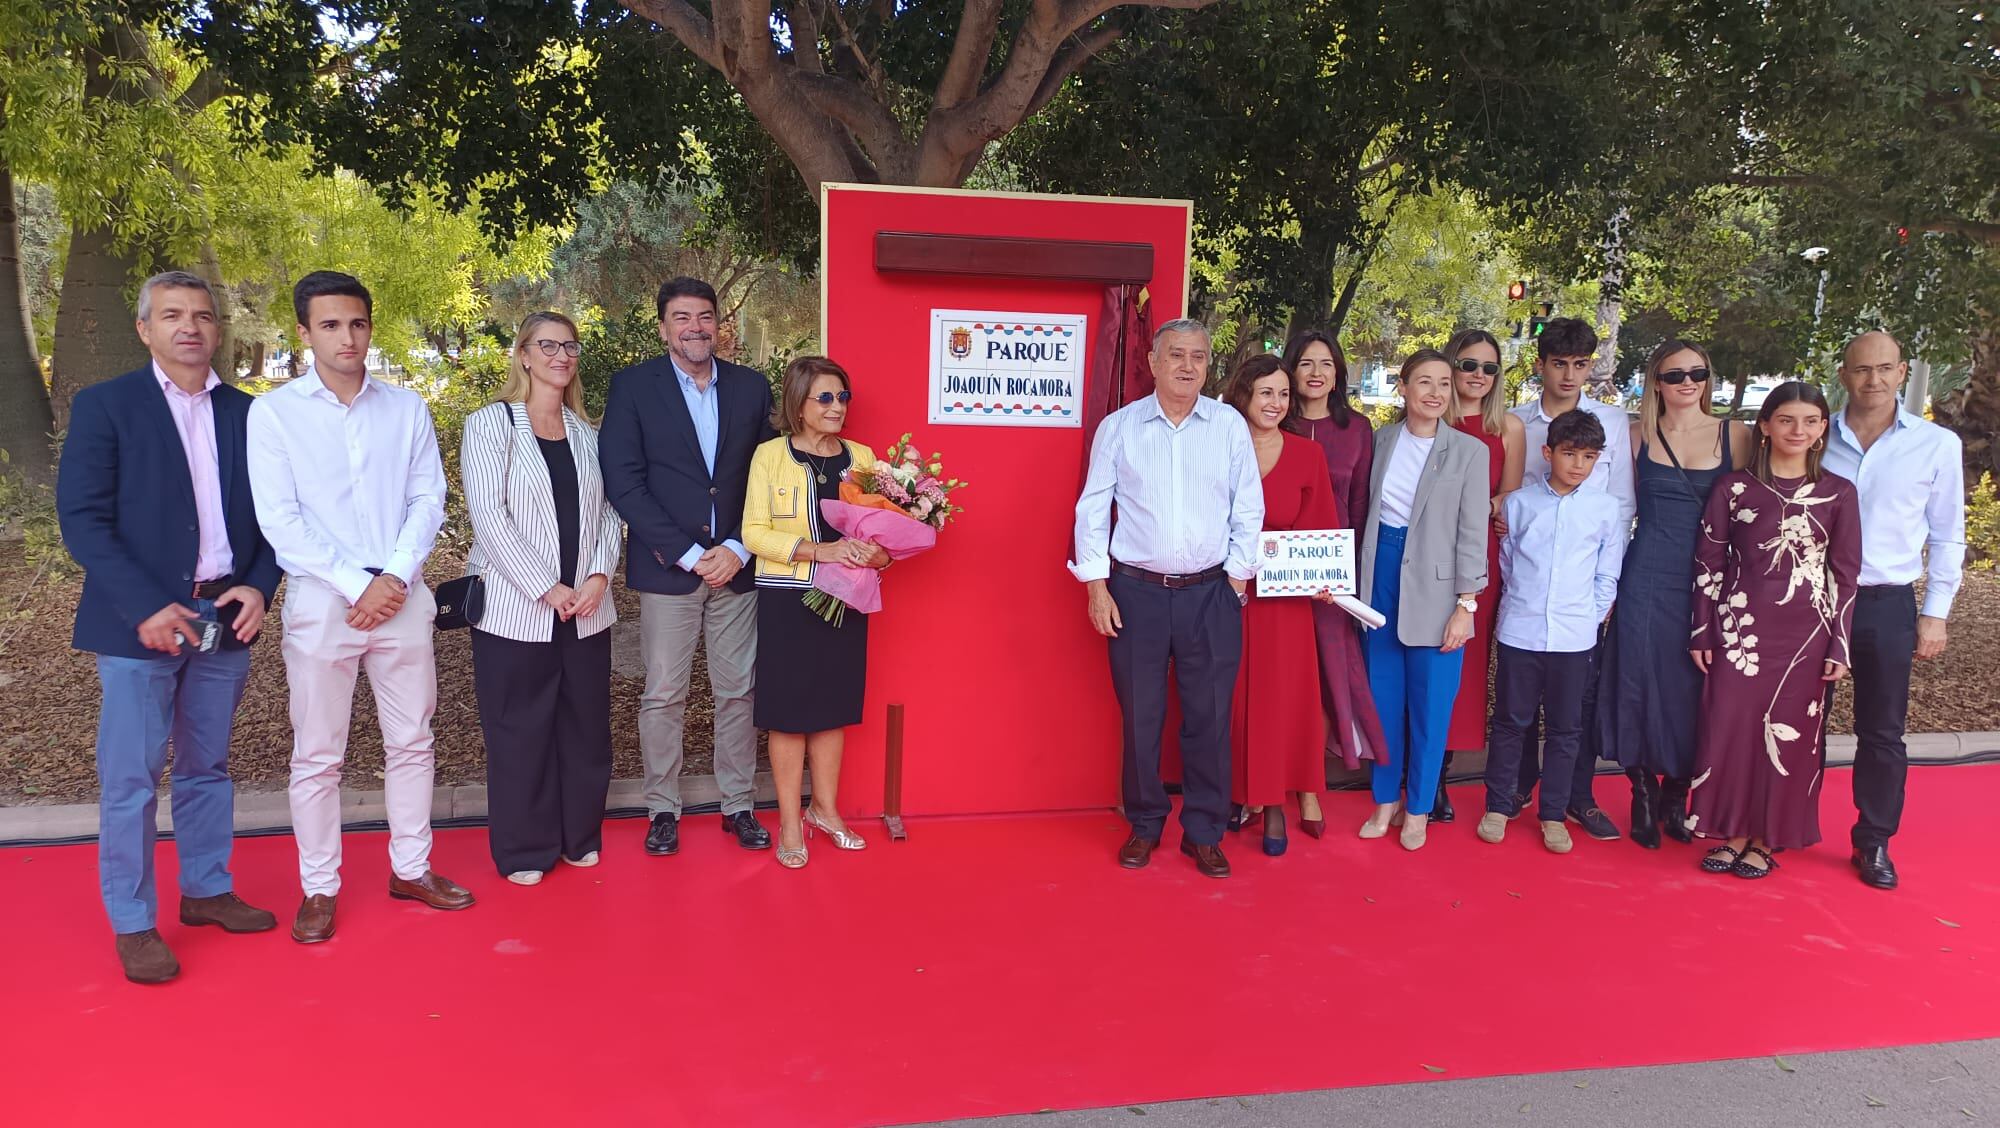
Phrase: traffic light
pixel 1540 320
pixel 1517 290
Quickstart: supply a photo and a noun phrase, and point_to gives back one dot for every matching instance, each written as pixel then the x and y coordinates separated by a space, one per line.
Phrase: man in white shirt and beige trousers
pixel 1910 474
pixel 350 492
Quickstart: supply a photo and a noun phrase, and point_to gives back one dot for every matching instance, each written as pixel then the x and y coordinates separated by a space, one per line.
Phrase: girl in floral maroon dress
pixel 1775 570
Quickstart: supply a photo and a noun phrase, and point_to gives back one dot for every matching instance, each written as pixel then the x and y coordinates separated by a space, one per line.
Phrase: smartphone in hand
pixel 204 634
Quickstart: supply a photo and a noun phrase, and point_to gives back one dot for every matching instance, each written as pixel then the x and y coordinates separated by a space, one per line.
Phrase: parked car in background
pixel 1754 393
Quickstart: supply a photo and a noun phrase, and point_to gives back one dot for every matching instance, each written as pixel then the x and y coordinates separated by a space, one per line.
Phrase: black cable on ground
pixel 1985 756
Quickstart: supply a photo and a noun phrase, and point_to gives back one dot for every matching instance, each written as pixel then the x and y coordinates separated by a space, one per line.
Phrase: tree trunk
pixel 225 323
pixel 1973 411
pixel 1338 318
pixel 257 359
pixel 1610 303
pixel 94 337
pixel 25 421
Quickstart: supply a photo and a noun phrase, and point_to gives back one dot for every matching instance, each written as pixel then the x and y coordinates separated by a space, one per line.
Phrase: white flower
pixel 1746 515
pixel 1812 707
pixel 1739 599
pixel 1736 489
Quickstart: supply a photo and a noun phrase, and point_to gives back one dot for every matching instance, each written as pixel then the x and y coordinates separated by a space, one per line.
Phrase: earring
pixel 1819 443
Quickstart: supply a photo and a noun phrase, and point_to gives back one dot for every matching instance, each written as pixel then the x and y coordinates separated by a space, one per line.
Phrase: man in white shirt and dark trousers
pixel 1563 358
pixel 350 492
pixel 1559 565
pixel 1911 479
pixel 1168 584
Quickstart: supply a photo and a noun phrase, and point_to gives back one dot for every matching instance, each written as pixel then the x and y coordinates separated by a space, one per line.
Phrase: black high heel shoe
pixel 1673 809
pixel 1645 807
pixel 1274 847
pixel 1441 811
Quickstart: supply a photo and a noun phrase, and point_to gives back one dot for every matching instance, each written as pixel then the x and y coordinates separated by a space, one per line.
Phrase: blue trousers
pixel 1413 686
pixel 190 700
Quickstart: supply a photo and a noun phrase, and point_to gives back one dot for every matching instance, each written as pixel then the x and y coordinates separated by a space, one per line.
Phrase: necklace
pixel 819 468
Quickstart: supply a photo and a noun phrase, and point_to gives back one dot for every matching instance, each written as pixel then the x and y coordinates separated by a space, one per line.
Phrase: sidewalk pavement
pixel 270 810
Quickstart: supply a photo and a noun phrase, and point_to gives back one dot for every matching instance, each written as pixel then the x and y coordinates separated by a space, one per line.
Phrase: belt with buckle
pixel 209 589
pixel 1169 580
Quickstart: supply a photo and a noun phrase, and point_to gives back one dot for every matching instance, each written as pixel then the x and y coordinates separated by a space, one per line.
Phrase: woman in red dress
pixel 1320 412
pixel 1483 414
pixel 1278 734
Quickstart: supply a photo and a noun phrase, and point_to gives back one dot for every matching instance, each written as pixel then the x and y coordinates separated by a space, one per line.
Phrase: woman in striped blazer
pixel 547 541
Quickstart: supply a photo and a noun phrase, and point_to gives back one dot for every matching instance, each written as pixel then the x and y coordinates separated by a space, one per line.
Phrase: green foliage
pixel 614 343
pixel 29 511
pixel 454 391
pixel 1982 523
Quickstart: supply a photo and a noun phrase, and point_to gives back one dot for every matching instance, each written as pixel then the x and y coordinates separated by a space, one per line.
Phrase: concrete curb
pixel 269 810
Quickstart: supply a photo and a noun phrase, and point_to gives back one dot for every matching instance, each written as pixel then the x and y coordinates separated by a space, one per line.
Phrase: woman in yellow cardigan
pixel 810 673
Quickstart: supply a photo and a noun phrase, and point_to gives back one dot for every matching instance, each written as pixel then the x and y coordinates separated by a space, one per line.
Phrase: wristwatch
pixel 1243 598
pixel 1468 604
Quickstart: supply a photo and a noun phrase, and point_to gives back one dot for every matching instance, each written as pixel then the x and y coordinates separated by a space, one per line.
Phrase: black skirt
pixel 810 673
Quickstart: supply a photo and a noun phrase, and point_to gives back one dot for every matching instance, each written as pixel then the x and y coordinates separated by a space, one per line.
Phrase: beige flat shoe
pixel 1416 831
pixel 1492 827
pixel 1385 816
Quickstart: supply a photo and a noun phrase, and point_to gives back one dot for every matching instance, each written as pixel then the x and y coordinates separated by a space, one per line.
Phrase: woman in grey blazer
pixel 1423 564
pixel 547 542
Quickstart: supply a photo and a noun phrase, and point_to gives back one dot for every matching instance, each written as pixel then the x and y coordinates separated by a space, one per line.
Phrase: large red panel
pixel 983 640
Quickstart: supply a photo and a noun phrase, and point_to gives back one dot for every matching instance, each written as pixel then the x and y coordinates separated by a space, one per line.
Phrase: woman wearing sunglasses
pixel 810 673
pixel 546 541
pixel 1483 414
pixel 1649 693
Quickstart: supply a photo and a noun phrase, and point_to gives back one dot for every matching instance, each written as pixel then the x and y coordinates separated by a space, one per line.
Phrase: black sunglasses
pixel 1491 368
pixel 1681 375
pixel 825 398
pixel 569 348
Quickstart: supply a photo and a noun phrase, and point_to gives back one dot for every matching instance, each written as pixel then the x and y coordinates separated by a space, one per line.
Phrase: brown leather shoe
pixel 1207 859
pixel 314 924
pixel 1137 852
pixel 229 911
pixel 433 889
pixel 146 957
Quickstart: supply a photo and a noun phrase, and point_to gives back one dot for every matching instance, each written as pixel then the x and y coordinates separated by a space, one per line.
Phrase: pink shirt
pixel 194 418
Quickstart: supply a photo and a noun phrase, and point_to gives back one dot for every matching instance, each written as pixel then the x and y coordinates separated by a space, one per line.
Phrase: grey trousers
pixel 669 626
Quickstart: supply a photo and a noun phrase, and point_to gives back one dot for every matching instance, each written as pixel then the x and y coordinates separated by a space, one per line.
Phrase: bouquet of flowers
pixel 899 504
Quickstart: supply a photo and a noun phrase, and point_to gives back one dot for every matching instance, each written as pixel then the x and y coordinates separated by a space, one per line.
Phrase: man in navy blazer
pixel 154 497
pixel 675 451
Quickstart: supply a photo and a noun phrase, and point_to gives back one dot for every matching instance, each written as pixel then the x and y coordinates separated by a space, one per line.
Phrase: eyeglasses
pixel 1490 367
pixel 1674 376
pixel 825 398
pixel 571 349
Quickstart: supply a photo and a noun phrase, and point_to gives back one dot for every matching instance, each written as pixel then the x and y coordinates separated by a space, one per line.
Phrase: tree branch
pixel 1080 50
pixel 970 49
pixel 1977 230
pixel 871 123
pixel 805 36
pixel 687 25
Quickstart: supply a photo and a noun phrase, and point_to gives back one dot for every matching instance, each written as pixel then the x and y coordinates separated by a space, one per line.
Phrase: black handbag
pixel 462 602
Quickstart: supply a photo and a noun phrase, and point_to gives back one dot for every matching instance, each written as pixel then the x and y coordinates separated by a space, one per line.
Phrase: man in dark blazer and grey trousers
pixel 675 450
pixel 154 498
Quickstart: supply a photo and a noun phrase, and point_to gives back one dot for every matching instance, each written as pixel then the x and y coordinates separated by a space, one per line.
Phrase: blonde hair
pixel 1653 401
pixel 1493 405
pixel 1422 357
pixel 519 380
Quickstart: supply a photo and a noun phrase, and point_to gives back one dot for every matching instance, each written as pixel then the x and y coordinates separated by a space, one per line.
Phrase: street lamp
pixel 1814 255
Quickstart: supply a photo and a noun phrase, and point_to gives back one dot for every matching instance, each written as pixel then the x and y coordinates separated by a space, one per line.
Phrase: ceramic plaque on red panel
pixel 984 641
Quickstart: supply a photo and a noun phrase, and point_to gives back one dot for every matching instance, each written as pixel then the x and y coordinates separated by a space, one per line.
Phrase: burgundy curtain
pixel 1118 372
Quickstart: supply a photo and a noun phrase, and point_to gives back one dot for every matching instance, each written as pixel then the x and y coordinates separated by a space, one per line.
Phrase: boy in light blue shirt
pixel 1559 565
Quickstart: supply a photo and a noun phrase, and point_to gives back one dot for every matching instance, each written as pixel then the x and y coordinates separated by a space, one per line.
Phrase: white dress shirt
pixel 1912 487
pixel 1613 472
pixel 1188 496
pixel 1559 565
pixel 194 418
pixel 341 488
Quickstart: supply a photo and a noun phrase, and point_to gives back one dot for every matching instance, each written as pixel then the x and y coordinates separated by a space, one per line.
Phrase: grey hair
pixel 1181 325
pixel 171 280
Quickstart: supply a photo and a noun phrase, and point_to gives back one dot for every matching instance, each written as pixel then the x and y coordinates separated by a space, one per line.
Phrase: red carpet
pixel 988 966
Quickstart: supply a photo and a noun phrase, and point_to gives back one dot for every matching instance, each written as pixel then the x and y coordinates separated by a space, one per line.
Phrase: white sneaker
pixel 1492 827
pixel 1556 837
pixel 525 877
pixel 584 862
